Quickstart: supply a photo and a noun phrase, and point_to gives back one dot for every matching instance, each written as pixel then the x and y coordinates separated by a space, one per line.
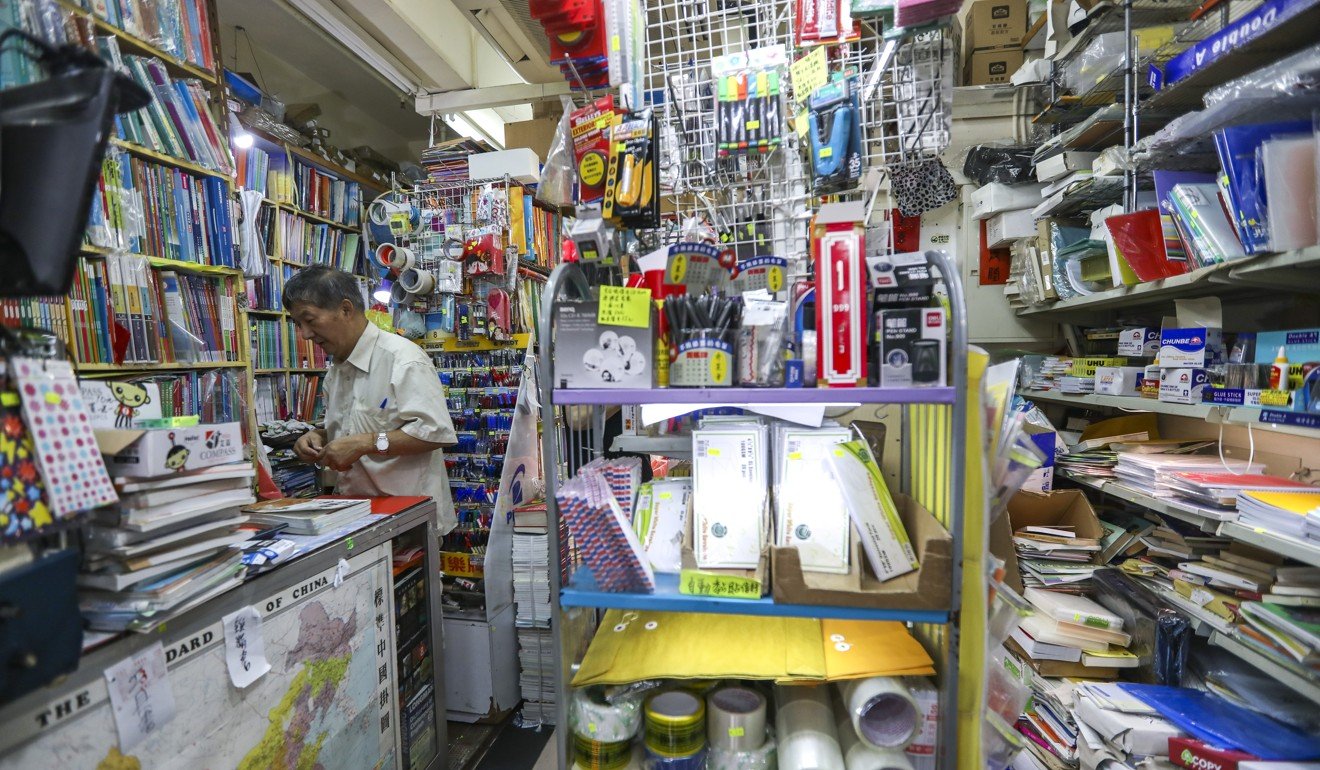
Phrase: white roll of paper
pixel 804 721
pixel 735 719
pixel 859 756
pixel 883 711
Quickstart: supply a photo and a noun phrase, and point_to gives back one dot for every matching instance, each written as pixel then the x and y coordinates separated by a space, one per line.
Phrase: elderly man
pixel 386 417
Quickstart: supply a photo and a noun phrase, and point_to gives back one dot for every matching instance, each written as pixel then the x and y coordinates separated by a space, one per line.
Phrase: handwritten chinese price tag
pixel 620 306
pixel 245 650
pixel 140 695
pixel 697 583
pixel 809 73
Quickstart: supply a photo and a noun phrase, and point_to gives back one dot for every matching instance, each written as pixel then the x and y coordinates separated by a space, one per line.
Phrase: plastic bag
pixel 987 163
pixel 560 171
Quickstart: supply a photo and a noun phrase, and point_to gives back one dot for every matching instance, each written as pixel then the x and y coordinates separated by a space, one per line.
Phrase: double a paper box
pixel 1183 386
pixel 1193 347
pixel 1119 380
pixel 1141 342
pixel 163 451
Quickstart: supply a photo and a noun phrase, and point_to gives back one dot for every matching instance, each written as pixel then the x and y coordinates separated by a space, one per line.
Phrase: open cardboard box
pixel 761 574
pixel 1062 507
pixel 926 588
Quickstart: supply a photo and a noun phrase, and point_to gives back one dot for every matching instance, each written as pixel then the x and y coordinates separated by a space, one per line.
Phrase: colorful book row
pixel 180 28
pixel 147 208
pixel 270 343
pixel 302 241
pixel 267 292
pixel 326 195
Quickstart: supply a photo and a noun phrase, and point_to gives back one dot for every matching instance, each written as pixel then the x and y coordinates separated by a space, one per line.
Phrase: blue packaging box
pixel 1194 347
pixel 1266 17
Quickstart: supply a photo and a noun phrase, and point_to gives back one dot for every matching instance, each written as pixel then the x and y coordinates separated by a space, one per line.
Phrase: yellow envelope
pixel 855 649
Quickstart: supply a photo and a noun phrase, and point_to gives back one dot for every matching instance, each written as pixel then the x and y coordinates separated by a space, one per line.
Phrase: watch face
pixel 382 443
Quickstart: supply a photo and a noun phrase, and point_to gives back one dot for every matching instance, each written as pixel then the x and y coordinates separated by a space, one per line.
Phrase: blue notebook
pixel 1237 147
pixel 1216 721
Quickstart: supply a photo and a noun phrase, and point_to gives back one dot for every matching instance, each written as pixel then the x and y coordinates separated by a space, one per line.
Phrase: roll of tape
pixel 883 711
pixel 763 758
pixel 804 724
pixel 635 762
pixel 417 282
pixel 599 755
pixel 591 717
pixel 675 724
pixel 399 295
pixel 404 259
pixel 735 719
pixel 385 255
pixel 692 762
pixel 859 756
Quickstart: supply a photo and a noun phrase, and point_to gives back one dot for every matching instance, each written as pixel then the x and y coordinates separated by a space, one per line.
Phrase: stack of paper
pixel 1048 723
pixel 1116 727
pixel 532 612
pixel 1055 558
pixel 1077 385
pixel 1096 464
pixel 1052 369
pixel 167 542
pixel 1074 630
pixel 1286 513
pixel 308 517
pixel 1221 489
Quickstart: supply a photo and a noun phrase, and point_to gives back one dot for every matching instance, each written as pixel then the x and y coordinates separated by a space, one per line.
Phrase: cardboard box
pixel 993 198
pixel 591 355
pixel 1193 347
pixel 910 345
pixel 535 135
pixel 1183 386
pixel 163 451
pixel 995 24
pixel 927 588
pixel 1066 507
pixel 1141 342
pixel 992 66
pixel 1119 380
pixel 1008 226
pixel 1063 164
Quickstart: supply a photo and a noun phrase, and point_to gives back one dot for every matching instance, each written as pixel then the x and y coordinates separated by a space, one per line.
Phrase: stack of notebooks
pixel 308 517
pixel 294 477
pixel 1071 635
pixel 1220 489
pixel 1152 474
pixel 1048 723
pixel 1093 464
pixel 448 160
pixel 1055 558
pixel 167 546
pixel 1295 514
pixel 1289 635
pixel 1051 371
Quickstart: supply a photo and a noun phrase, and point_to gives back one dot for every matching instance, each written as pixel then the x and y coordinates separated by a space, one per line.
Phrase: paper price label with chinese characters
pixel 761 273
pixel 696 583
pixel 621 306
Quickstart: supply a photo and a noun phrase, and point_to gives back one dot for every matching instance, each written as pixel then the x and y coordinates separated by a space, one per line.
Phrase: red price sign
pixel 840 305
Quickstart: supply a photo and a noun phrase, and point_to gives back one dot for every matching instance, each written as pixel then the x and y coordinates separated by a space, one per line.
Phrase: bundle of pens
pixel 713 316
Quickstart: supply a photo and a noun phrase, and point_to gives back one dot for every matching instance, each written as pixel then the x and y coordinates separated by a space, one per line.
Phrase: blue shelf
pixel 739 396
pixel 584 593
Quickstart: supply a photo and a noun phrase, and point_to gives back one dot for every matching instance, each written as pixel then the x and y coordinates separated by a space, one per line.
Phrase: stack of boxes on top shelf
pixel 994 33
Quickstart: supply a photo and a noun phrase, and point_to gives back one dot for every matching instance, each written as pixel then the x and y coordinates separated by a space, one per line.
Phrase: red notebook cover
pixel 387 506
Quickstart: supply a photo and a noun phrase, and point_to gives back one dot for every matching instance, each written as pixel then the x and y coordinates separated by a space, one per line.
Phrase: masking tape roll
pixel 804 723
pixel 763 758
pixel 635 762
pixel 882 711
pixel 735 719
pixel 591 717
pixel 417 282
pixel 404 259
pixel 859 756
pixel 675 724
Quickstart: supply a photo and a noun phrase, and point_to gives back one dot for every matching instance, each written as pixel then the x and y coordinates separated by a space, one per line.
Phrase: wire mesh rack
pixel 757 201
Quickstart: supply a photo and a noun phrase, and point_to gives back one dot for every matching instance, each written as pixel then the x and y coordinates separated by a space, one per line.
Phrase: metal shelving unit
pixel 577 589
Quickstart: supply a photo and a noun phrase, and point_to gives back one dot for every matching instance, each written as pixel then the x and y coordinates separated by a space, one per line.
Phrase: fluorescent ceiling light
pixel 467 127
pixel 357 41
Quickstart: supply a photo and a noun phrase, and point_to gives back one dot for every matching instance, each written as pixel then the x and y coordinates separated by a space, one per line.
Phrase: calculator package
pixel 729 478
pixel 810 512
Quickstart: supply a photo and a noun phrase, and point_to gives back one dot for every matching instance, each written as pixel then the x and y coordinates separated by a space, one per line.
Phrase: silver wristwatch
pixel 382 442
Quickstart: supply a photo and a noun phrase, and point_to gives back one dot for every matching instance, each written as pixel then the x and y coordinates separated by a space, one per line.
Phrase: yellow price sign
pixel 620 306
pixel 809 73
pixel 697 583
pixel 719 367
pixel 774 278
pixel 677 268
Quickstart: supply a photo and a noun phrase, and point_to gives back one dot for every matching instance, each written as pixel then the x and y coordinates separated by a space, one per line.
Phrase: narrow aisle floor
pixel 502 746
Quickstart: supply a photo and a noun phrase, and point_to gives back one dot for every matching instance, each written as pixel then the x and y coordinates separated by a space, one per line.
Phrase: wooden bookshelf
pixel 168 160
pixel 133 44
pixel 166 367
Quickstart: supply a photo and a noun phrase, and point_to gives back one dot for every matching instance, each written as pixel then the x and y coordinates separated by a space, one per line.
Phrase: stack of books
pixel 269 343
pixel 1220 489
pixel 179 27
pixel 1055 558
pixel 447 162
pixel 308 517
pixel 325 195
pixel 167 546
pixel 1295 514
pixel 1074 629
pixel 1152 474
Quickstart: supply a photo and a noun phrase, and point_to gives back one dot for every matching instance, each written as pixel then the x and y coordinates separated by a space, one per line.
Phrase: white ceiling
pixel 349 56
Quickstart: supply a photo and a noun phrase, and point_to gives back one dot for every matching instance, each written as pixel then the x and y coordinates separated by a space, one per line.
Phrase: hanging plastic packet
pixel 749 111
pixel 834 131
pixel 632 177
pixel 760 342
pixel 559 174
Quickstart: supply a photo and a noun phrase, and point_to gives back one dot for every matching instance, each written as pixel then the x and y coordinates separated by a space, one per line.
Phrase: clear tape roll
pixel 399 295
pixel 591 717
pixel 882 711
pixel 804 722
pixel 763 758
pixel 859 756
pixel 735 719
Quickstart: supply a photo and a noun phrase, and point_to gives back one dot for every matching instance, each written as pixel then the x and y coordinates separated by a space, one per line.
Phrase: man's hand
pixel 343 452
pixel 310 446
